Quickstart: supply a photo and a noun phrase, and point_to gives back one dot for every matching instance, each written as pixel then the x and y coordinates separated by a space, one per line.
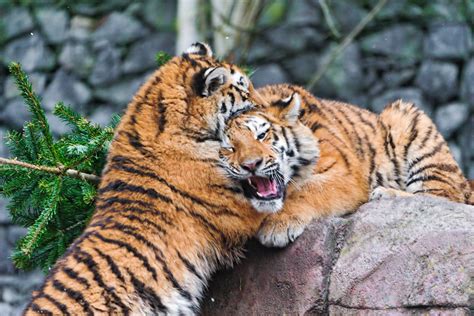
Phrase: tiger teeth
pixel 250 183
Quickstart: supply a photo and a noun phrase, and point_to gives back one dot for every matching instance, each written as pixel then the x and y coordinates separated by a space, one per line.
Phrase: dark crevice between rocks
pixel 448 307
pixel 340 229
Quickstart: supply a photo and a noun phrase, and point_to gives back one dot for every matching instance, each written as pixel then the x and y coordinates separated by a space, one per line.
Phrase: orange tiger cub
pixel 166 216
pixel 362 156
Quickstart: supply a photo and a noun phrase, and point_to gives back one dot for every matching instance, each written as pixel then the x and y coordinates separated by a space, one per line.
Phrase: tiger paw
pixel 386 193
pixel 279 232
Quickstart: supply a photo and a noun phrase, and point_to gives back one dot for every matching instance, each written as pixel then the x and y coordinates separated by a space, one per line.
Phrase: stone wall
pixel 94 57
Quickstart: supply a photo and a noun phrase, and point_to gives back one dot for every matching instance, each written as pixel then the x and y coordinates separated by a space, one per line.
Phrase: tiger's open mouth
pixel 262 188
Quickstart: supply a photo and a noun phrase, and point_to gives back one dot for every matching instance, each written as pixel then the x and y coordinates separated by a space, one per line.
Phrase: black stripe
pixel 60 306
pixel 413 135
pixel 75 276
pixel 393 159
pixel 205 222
pixel 109 201
pixel 440 166
pixel 76 296
pixel 341 153
pixel 130 249
pixel 327 168
pixel 433 152
pixel 359 148
pixel 315 126
pixel 149 174
pixel 430 177
pixel 110 262
pixel 379 179
pixel 365 121
pixel 147 294
pixel 162 117
pixel 39 310
pixel 191 268
pixel 121 186
pixel 159 256
pixel 88 261
pixel 427 136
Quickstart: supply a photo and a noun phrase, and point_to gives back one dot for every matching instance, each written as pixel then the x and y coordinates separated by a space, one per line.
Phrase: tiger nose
pixel 251 165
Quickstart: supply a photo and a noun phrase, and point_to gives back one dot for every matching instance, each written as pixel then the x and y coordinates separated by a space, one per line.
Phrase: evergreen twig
pixel 53 170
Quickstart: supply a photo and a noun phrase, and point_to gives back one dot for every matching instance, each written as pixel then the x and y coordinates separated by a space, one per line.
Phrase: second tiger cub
pixel 362 156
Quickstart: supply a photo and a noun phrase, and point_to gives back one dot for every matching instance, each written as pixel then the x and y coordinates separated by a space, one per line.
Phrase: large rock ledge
pixel 401 256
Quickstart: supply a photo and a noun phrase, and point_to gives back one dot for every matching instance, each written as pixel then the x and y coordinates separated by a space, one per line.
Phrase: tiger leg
pixel 384 193
pixel 324 195
pixel 420 157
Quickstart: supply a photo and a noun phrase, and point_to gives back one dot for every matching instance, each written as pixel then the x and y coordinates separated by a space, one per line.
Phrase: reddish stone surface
pixel 292 281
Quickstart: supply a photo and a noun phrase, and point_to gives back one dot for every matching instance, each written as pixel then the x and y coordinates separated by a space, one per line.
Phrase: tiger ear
pixel 291 110
pixel 199 48
pixel 214 78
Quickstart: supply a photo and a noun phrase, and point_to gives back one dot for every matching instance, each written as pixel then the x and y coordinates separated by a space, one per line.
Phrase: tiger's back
pixel 165 217
pixel 400 149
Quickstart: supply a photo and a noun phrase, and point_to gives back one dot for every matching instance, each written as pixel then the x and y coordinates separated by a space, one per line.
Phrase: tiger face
pixel 217 91
pixel 267 151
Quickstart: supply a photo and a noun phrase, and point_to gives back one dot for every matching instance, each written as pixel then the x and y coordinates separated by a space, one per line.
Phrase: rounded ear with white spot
pixel 292 109
pixel 199 48
pixel 213 79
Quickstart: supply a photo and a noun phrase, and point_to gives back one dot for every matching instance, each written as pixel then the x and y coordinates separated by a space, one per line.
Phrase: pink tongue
pixel 265 187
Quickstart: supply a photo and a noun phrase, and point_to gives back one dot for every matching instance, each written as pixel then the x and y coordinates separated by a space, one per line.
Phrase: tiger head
pixel 267 151
pixel 215 91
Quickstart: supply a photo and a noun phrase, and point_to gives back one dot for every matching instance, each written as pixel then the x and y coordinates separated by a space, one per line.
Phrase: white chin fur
pixel 268 207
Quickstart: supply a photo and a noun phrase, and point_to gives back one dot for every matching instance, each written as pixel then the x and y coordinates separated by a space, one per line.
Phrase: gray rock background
pixel 94 56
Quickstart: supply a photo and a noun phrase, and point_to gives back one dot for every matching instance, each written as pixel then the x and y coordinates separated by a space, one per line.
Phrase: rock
pixel 409 311
pixel 66 88
pixel 303 12
pixel 7 310
pixel 4 152
pixel 160 14
pixel 291 281
pixel 5 262
pixel 283 38
pixel 15 113
pixel 38 81
pixel 268 74
pixel 387 42
pixel 102 115
pixel 448 41
pixel 451 117
pixel 406 94
pixel 14 234
pixel 4 215
pixel 393 79
pixel 417 249
pixel 141 56
pixel 31 52
pixel 77 57
pixel 121 92
pixel 344 77
pixel 57 126
pixel 98 7
pixel 347 14
pixel 391 9
pixel 119 28
pixel 81 28
pixel 302 67
pixel 456 152
pixel 54 24
pixel 16 22
pixel 467 85
pixel 438 80
pixel 107 65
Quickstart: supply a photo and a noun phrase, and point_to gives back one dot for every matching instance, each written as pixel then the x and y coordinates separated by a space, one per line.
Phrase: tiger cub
pixel 166 216
pixel 362 156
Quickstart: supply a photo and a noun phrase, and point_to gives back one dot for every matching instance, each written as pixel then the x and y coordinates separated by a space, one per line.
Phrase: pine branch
pixel 53 170
pixel 34 105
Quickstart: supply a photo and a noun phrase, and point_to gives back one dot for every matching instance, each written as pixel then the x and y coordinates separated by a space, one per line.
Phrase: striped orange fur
pixel 361 156
pixel 166 216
